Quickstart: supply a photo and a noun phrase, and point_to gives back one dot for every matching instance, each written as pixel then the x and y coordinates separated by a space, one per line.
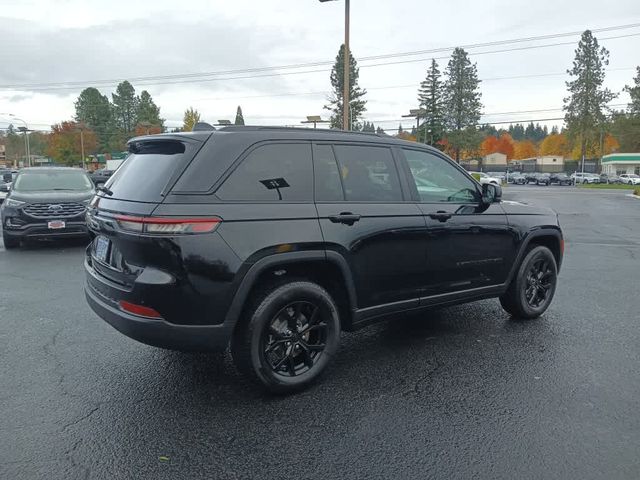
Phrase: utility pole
pixel 347 65
pixel 82 147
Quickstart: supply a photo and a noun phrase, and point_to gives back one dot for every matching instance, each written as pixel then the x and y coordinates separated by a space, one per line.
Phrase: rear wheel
pixel 10 242
pixel 532 289
pixel 287 336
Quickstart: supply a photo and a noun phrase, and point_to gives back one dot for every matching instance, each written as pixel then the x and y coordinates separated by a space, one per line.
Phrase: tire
pixel 9 242
pixel 540 263
pixel 277 343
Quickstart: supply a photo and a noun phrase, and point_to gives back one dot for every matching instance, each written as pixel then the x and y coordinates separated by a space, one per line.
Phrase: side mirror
pixel 491 193
pixel 4 187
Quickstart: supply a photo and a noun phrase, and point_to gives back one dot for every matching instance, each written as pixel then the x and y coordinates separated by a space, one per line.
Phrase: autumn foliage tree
pixel 555 144
pixel 505 145
pixel 64 143
pixel 489 145
pixel 524 149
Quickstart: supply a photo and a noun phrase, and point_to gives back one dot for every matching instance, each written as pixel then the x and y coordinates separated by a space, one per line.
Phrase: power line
pixel 189 77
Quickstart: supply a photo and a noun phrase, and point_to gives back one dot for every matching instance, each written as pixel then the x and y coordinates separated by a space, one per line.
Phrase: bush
pixel 637 192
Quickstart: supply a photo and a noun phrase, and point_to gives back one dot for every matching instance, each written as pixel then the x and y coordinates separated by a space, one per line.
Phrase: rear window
pixel 147 170
pixel 47 180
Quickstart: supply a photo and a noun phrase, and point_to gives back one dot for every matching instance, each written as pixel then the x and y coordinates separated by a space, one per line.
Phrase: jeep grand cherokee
pixel 274 240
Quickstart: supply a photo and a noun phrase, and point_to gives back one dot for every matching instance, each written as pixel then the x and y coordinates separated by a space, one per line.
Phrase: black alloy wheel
pixel 287 336
pixel 539 282
pixel 294 340
pixel 533 287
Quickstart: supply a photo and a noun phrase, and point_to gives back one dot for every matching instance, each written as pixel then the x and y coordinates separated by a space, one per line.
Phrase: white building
pixel 618 163
pixel 544 163
pixel 497 158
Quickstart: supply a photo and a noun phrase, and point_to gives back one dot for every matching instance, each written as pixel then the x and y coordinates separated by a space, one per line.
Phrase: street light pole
pixel 82 147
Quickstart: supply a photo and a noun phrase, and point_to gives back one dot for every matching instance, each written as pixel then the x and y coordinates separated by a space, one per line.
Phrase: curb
pixel 633 196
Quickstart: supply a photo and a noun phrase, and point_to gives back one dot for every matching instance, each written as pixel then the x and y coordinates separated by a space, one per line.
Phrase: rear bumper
pixel 154 332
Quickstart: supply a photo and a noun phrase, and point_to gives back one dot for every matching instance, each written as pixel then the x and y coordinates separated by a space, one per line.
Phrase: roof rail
pixel 232 128
pixel 203 127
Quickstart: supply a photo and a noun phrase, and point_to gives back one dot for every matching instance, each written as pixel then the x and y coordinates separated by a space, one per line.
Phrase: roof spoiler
pixel 203 127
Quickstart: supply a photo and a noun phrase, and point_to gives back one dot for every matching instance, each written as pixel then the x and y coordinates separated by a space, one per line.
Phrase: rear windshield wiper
pixel 105 190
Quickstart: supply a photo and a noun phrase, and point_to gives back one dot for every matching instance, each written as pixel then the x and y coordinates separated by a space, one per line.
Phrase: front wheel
pixel 534 285
pixel 287 336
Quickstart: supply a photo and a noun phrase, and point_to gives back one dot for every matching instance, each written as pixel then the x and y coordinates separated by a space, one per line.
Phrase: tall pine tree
pixel 587 101
pixel 462 102
pixel 634 93
pixel 147 111
pixel 94 111
pixel 239 116
pixel 431 100
pixel 125 107
pixel 357 105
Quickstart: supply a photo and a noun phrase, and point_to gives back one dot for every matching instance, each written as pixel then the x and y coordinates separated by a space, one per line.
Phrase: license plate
pixel 56 225
pixel 102 248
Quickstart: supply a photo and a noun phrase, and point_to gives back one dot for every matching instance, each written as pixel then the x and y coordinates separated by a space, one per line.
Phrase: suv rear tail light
pixel 167 225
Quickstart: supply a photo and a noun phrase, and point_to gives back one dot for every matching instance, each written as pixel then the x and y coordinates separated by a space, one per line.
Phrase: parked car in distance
pixel 100 177
pixel 485 178
pixel 609 178
pixel 273 240
pixel 543 179
pixel 501 176
pixel 630 178
pixel 580 177
pixel 531 177
pixel 46 202
pixel 517 178
pixel 4 190
pixel 561 179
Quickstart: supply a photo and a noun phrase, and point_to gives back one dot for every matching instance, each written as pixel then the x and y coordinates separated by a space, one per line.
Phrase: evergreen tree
pixel 95 111
pixel 554 130
pixel 239 117
pixel 634 93
pixel 431 100
pixel 125 107
pixel 462 102
pixel 586 104
pixel 357 105
pixel 400 129
pixel 148 112
pixel 380 131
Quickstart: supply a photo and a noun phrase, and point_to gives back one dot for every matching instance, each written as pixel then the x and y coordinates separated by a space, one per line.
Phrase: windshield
pixel 46 180
pixel 633 175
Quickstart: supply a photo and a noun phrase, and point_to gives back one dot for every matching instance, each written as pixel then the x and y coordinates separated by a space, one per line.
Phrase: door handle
pixel 440 216
pixel 347 218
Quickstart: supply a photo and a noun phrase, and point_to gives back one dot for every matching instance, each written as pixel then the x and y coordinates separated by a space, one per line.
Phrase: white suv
pixel 630 178
pixel 484 178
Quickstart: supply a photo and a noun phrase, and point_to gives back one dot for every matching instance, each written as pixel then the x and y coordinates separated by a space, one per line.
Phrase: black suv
pixel 46 202
pixel 274 240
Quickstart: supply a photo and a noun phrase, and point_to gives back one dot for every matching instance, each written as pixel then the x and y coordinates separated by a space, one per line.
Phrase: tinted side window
pixel 327 176
pixel 439 181
pixel 276 172
pixel 368 173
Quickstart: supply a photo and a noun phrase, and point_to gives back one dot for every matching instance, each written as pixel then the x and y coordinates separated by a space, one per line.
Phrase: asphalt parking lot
pixel 464 392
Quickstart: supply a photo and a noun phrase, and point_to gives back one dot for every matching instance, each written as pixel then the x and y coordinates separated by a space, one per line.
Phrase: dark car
pixel 531 177
pixel 561 179
pixel 543 179
pixel 46 202
pixel 273 240
pixel 100 177
pixel 516 178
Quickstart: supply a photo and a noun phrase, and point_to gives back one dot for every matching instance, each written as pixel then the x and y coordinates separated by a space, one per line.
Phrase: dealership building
pixel 618 163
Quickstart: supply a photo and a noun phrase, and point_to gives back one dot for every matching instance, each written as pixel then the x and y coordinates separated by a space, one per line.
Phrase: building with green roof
pixel 618 163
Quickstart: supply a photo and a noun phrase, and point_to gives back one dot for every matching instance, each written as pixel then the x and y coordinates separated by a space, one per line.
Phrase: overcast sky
pixel 45 42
